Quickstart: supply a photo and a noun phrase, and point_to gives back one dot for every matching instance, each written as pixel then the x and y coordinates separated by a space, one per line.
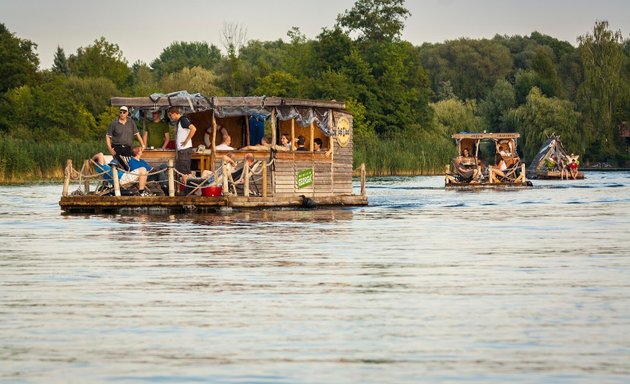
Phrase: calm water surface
pixel 423 285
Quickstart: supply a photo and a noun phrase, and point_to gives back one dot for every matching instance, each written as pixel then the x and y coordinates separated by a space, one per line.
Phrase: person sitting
pixel 551 163
pixel 573 166
pixel 265 145
pixel 136 162
pixel 139 175
pixel 225 144
pixel 284 143
pixel 249 161
pixel 467 167
pixel 317 145
pixel 300 144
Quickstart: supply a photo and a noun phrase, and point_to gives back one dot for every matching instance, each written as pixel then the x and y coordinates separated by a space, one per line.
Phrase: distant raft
pixel 553 162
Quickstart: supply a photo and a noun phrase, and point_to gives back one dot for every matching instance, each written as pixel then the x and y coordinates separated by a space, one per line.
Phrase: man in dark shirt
pixel 120 133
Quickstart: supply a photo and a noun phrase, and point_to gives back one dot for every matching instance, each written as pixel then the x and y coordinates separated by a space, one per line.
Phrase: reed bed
pixel 403 158
pixel 27 161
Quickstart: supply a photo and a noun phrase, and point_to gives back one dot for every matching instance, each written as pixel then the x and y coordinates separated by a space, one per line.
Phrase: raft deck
pixel 180 204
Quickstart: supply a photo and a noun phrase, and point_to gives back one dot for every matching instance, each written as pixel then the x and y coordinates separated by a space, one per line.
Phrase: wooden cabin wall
pixel 235 127
pixel 342 168
pixel 288 164
pixel 202 121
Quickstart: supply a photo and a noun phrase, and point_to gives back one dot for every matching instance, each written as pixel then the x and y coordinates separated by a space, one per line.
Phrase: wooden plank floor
pixel 97 204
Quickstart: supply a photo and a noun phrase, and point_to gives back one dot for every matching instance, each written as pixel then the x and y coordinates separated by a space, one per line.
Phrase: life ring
pixel 206 137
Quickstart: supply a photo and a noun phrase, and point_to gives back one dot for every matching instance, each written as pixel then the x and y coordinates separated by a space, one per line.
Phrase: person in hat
pixel 156 133
pixel 120 134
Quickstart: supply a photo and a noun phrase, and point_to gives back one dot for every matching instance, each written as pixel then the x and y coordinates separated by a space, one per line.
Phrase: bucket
pixel 213 190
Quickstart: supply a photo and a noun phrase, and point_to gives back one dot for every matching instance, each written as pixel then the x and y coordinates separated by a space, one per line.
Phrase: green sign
pixel 304 178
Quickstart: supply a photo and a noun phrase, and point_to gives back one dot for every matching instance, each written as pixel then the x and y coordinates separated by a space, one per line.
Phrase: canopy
pixel 304 111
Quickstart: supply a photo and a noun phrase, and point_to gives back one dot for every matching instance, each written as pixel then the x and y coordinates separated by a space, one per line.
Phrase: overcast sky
pixel 144 28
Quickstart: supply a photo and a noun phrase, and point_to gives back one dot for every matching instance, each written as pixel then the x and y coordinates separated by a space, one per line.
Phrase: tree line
pixel 406 100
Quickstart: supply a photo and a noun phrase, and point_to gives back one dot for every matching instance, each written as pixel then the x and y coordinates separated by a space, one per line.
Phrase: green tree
pixel 102 59
pixel 143 80
pixel 60 62
pixel 279 83
pixel 453 116
pixel 91 93
pixel 542 116
pixel 375 20
pixel 601 92
pixel 496 106
pixel 48 111
pixel 193 80
pixel 180 55
pixel 546 69
pixel 18 61
pixel 471 66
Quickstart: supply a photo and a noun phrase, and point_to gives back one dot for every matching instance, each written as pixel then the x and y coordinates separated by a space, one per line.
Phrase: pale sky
pixel 144 28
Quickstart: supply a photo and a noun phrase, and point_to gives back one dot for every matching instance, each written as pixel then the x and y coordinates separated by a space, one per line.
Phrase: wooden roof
pixel 218 102
pixel 480 136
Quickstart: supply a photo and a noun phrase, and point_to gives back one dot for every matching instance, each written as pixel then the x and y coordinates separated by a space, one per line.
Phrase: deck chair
pixel 512 174
pixel 106 186
pixel 237 179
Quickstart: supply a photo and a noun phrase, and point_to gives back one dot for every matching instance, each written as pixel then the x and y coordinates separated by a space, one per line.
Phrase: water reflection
pixel 423 285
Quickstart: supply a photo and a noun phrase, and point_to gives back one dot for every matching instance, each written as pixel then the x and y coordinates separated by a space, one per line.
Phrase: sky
pixel 142 29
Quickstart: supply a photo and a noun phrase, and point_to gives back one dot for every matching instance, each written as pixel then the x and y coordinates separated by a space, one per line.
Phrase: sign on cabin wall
pixel 342 133
pixel 304 178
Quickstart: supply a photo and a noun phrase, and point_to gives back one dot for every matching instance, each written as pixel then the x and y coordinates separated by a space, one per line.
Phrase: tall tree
pixel 60 62
pixel 495 107
pixel 102 59
pixel 599 95
pixel 18 61
pixel 542 116
pixel 180 55
pixel 375 20
pixel 471 66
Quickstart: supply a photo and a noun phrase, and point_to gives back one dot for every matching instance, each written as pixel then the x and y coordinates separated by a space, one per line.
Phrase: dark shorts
pixel 182 164
pixel 122 149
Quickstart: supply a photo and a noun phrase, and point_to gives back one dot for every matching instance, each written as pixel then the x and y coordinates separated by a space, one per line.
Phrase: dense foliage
pixel 406 100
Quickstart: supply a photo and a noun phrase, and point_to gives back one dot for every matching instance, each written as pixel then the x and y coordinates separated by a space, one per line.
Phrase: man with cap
pixel 119 137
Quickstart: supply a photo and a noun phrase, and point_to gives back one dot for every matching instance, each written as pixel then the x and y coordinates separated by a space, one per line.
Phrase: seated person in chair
pixel 467 167
pixel 140 175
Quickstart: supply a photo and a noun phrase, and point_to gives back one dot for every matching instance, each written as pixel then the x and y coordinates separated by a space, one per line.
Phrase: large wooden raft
pixel 330 169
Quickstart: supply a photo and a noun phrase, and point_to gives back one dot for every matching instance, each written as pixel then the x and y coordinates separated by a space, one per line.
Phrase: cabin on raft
pixel 279 175
pixel 486 160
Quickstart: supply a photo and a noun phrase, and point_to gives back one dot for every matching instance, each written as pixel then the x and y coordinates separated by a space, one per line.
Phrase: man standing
pixel 157 133
pixel 119 137
pixel 183 136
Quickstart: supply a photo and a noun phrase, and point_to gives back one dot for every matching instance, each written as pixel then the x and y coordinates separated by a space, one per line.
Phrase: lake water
pixel 422 285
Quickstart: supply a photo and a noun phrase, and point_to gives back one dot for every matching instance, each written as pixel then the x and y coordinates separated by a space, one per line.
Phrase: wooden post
pixel 214 142
pixel 292 135
pixel 264 178
pixel 363 192
pixel 85 171
pixel 226 180
pixel 490 174
pixel 66 177
pixel 523 173
pixel 312 143
pixel 273 127
pixel 116 181
pixel 247 137
pixel 171 179
pixel 246 173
